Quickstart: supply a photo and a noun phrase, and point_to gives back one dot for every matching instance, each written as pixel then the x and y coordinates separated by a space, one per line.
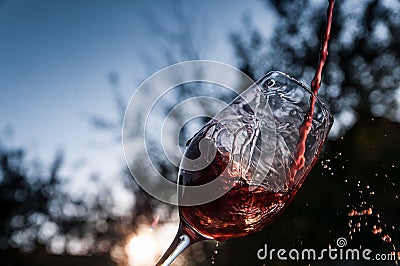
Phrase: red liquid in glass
pixel 242 211
pixel 238 212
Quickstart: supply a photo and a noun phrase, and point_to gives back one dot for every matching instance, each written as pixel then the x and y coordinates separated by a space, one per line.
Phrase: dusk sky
pixel 56 56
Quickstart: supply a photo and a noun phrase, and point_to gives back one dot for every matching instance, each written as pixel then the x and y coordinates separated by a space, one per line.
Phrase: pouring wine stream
pixel 188 233
pixel 315 85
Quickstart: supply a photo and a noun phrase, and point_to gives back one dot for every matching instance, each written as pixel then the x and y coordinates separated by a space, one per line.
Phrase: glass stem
pixel 179 244
pixel 184 238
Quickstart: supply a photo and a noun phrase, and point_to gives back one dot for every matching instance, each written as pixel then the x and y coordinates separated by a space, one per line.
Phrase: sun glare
pixel 150 241
pixel 141 249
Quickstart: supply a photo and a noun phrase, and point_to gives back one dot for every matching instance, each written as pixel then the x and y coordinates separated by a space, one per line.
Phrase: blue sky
pixel 55 57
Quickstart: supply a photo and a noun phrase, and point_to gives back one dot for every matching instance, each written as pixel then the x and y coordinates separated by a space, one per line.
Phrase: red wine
pixel 316 82
pixel 243 210
pixel 246 207
pixel 315 85
pixel 237 213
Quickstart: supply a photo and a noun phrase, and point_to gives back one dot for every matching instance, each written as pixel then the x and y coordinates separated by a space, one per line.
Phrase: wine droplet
pixel 376 230
pixel 215 252
pixel 387 238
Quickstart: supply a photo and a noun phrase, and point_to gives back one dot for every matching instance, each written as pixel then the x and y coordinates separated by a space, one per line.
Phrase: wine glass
pixel 250 151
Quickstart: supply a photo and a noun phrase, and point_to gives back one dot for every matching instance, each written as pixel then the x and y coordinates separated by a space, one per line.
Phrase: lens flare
pixel 154 224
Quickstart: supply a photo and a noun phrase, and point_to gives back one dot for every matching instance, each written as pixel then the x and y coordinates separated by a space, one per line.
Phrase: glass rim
pixel 325 108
